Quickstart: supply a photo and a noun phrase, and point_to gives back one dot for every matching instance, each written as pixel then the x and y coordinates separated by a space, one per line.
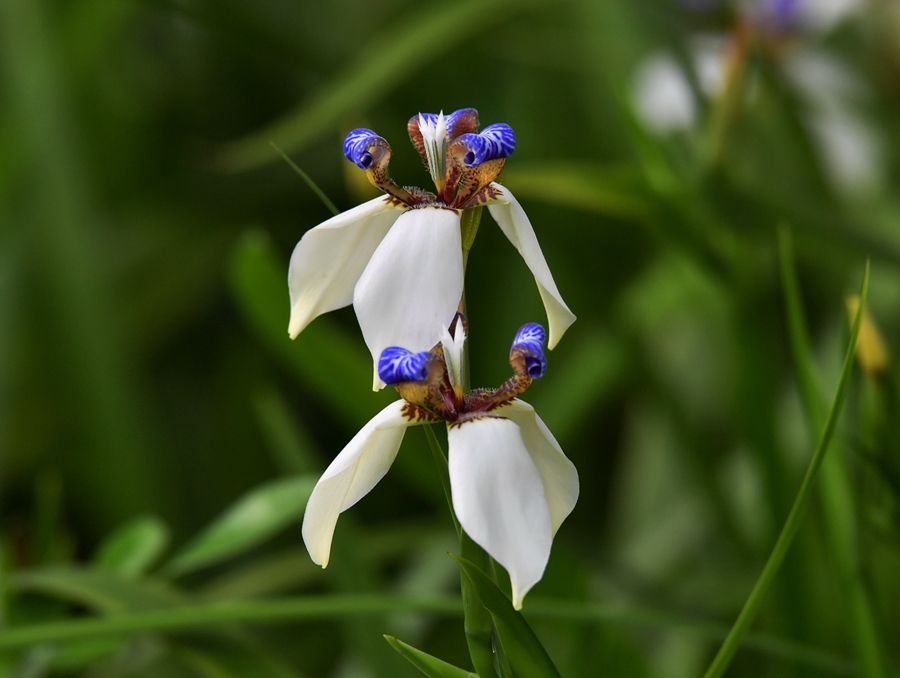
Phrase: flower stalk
pixel 400 260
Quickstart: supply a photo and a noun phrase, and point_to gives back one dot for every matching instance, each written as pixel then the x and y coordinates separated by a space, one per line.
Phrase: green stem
pixel 837 495
pixel 792 524
pixel 440 461
pixel 469 223
pixel 728 104
pixel 479 628
pixel 477 623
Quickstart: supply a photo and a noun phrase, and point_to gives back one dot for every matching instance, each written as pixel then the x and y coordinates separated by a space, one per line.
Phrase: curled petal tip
pixel 528 345
pixel 357 147
pixel 397 365
pixel 493 142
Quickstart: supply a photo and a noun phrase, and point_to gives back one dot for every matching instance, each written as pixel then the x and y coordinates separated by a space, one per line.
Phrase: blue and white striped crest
pixel 397 365
pixel 493 142
pixel 356 147
pixel 529 342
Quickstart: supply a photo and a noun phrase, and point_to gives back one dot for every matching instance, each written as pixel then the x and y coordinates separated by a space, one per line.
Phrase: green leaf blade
pixel 133 549
pixel 791 526
pixel 427 664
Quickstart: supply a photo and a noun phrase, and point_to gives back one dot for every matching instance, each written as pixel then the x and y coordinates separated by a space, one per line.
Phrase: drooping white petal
pixel 329 259
pixel 513 221
pixel 410 291
pixel 351 476
pixel 498 496
pixel 558 474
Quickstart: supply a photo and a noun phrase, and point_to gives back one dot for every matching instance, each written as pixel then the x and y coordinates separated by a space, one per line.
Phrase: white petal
pixel 558 474
pixel 454 354
pixel 498 497
pixel 329 259
pixel 513 221
pixel 351 476
pixel 410 291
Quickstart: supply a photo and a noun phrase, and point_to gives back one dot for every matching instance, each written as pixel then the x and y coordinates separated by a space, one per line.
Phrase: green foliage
pixel 133 548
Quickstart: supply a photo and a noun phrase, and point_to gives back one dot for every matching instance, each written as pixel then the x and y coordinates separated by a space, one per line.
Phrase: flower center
pixel 426 382
pixel 434 138
pixel 462 162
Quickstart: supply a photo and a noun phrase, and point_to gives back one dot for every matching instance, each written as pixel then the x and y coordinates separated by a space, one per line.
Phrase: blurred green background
pixel 159 433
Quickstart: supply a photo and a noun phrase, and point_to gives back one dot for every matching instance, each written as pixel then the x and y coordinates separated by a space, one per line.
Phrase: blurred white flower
pixel 663 95
pixel 849 148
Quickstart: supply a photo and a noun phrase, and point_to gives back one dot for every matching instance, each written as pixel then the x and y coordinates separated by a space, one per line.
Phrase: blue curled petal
pixel 529 342
pixel 397 365
pixel 493 142
pixel 356 147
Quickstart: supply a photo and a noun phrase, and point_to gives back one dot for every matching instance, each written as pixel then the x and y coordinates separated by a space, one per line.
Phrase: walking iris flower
pixel 511 484
pixel 398 258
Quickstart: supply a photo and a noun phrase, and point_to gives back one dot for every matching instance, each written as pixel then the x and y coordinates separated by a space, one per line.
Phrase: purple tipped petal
pixel 529 342
pixel 397 365
pixel 356 147
pixel 493 142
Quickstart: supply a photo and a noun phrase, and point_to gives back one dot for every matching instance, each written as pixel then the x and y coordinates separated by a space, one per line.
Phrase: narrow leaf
pixel 132 549
pixel 255 517
pixel 103 592
pixel 430 666
pixel 742 624
pixel 521 646
pixel 837 494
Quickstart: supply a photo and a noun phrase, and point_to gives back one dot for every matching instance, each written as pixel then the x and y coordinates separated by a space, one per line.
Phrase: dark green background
pixel 145 229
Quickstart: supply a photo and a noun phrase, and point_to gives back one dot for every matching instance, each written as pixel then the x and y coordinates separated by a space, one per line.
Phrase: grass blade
pixel 207 615
pixel 837 496
pixel 792 524
pixel 430 666
pixel 134 548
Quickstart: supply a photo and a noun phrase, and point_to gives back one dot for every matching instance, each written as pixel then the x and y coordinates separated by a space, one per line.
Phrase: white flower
pixel 398 258
pixel 512 485
pixel 833 97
